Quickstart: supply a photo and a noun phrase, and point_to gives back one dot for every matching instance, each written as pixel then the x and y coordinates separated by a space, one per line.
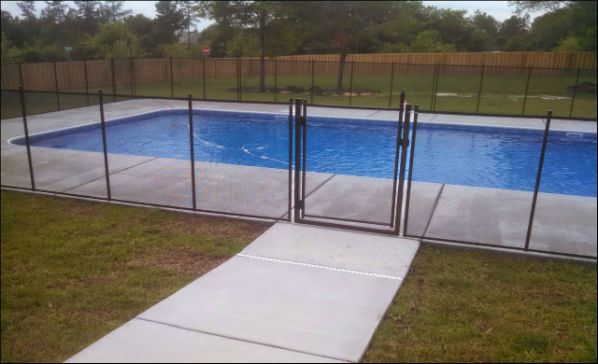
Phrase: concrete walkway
pixel 296 294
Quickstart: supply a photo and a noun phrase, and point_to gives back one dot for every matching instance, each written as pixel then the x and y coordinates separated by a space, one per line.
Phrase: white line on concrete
pixel 317 266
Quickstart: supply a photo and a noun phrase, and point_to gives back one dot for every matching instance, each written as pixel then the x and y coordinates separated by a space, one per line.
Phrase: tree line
pixel 105 29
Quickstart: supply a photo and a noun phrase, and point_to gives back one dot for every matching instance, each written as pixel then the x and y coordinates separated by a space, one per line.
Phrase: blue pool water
pixel 464 155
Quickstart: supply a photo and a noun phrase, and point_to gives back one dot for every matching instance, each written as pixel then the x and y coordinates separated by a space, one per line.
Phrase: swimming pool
pixel 464 155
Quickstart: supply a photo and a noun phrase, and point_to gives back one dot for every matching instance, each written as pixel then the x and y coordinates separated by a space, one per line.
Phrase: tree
pixel 27 10
pixel 400 27
pixel 55 11
pixel 88 13
pixel 190 11
pixel 9 53
pixel 583 22
pixel 143 28
pixel 522 7
pixel 550 29
pixel 429 41
pixel 341 26
pixel 513 32
pixel 483 38
pixel 254 16
pixel 112 11
pixel 217 37
pixel 452 27
pixel 115 41
pixel 168 23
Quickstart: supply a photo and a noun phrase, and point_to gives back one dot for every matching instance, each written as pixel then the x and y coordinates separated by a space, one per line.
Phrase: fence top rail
pixel 306 61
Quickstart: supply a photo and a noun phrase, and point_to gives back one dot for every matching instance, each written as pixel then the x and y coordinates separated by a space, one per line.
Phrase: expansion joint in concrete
pixel 111 174
pixel 317 266
pixel 433 211
pixel 237 339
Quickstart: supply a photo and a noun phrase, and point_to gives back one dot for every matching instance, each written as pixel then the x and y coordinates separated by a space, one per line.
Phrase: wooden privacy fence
pixel 584 60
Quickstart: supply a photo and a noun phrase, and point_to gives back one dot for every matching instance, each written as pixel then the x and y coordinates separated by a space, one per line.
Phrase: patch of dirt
pixel 217 226
pixel 178 260
pixel 317 90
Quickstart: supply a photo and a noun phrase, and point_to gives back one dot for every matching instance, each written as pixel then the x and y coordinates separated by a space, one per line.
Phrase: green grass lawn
pixel 473 306
pixel 500 94
pixel 74 270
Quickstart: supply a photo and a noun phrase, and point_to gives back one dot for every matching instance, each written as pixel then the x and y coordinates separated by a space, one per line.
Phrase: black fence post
pixel 404 145
pixel 237 78
pixel 392 76
pixel 297 183
pixel 435 87
pixel 304 155
pixel 21 75
pixel 192 152
pixel 311 96
pixel 86 82
pixel 113 71
pixel 171 78
pixel 203 75
pixel 477 107
pixel 351 84
pixel 574 92
pixel 397 155
pixel 104 147
pixel 134 74
pixel 240 79
pixel 275 80
pixel 435 74
pixel 56 86
pixel 131 76
pixel 410 169
pixel 529 75
pixel 26 130
pixel 538 179
pixel 290 125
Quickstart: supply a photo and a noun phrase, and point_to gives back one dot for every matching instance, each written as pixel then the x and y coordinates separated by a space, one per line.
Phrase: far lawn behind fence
pixel 500 94
pixel 74 270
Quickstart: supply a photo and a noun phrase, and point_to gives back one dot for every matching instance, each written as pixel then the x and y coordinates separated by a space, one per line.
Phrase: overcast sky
pixel 498 9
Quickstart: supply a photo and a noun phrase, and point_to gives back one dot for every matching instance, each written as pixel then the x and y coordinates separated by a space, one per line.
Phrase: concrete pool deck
pixel 563 223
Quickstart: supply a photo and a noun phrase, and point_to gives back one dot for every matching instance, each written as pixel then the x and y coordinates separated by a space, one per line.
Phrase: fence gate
pixel 349 174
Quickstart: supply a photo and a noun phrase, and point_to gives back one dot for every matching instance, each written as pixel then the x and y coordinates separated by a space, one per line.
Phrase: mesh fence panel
pixel 294 80
pixel 11 104
pixel 550 89
pixel 188 78
pixel 123 76
pixel 250 80
pixel 503 90
pixel 565 215
pixel 473 184
pixel 99 74
pixel 584 104
pixel 62 164
pixel 242 163
pixel 371 84
pixel 152 77
pixel 14 167
pixel 221 79
pixel 418 81
pixel 9 76
pixel 345 156
pixel 457 88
